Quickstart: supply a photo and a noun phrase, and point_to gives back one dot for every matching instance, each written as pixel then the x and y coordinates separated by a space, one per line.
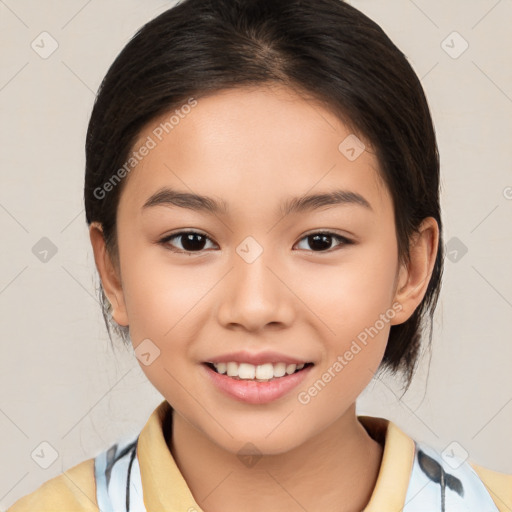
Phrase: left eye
pixel 323 240
pixel 192 241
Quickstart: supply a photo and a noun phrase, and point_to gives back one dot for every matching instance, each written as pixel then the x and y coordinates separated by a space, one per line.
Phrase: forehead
pixel 251 147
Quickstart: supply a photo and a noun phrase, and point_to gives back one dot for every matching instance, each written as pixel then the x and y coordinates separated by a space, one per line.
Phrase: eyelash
pixel 165 241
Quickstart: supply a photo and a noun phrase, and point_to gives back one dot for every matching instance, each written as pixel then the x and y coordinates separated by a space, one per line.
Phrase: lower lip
pixel 253 392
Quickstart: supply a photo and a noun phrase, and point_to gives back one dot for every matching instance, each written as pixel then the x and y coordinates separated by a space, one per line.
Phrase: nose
pixel 254 296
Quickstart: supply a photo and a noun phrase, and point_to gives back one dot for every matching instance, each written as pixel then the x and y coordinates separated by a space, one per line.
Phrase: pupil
pixel 195 241
pixel 190 242
pixel 320 241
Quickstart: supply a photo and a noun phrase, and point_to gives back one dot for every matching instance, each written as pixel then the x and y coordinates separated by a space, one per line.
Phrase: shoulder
pixel 73 490
pixel 446 481
pixel 499 485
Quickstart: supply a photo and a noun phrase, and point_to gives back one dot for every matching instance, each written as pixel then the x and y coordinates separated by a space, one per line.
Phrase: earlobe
pixel 413 278
pixel 110 279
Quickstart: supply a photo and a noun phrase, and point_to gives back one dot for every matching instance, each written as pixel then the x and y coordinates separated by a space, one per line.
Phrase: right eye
pixel 322 240
pixel 191 241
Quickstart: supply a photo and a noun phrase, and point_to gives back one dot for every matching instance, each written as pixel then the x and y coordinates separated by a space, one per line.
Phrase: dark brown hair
pixel 327 50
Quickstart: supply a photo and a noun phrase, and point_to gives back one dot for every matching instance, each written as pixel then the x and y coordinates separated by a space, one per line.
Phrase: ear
pixel 109 274
pixel 413 278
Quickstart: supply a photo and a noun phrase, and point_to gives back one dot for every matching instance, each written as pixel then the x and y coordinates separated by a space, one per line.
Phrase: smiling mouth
pixel 258 373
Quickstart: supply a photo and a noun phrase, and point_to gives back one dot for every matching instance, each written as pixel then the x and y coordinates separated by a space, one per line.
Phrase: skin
pixel 254 148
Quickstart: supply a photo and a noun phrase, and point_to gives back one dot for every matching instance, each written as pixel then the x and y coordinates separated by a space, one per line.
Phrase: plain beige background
pixel 60 381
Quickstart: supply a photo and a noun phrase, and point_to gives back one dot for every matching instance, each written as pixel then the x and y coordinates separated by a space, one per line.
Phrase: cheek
pixel 351 294
pixel 354 304
pixel 163 302
pixel 160 296
pixel 354 301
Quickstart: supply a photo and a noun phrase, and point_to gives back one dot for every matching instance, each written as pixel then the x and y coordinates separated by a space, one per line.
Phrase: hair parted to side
pixel 324 49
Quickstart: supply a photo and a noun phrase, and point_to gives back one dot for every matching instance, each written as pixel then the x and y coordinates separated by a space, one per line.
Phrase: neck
pixel 336 470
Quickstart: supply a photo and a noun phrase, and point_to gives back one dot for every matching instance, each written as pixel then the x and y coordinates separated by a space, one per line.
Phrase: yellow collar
pixel 166 489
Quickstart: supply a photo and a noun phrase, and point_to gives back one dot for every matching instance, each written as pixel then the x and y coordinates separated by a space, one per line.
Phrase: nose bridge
pixel 254 296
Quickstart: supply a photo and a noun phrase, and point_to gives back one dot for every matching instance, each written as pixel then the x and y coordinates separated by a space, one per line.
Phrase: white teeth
pixel 291 368
pixel 246 371
pixel 232 369
pixel 222 367
pixel 279 369
pixel 263 372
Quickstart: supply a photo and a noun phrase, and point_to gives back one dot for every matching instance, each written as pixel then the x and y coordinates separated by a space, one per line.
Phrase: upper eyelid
pixel 318 232
pixel 185 232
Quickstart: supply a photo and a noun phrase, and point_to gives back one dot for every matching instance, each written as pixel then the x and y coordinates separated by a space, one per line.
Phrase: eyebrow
pixel 171 197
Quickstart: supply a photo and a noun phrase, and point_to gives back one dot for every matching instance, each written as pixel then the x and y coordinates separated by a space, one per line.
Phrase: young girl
pixel 262 192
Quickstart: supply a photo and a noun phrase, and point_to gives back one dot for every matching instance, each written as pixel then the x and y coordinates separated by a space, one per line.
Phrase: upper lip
pixel 256 358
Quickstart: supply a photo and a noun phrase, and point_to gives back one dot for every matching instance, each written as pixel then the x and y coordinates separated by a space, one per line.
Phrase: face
pixel 263 278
